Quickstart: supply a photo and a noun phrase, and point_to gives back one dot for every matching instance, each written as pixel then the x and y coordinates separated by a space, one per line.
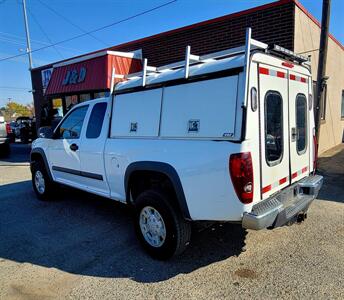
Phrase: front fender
pixel 41 152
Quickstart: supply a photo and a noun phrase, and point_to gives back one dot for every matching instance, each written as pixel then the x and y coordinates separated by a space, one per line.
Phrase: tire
pixel 39 172
pixel 173 231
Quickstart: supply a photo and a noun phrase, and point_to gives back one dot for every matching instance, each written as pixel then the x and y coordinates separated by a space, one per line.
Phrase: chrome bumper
pixel 285 206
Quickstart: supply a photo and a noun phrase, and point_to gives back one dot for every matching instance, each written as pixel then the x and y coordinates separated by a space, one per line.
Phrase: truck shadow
pixel 88 235
pixel 331 166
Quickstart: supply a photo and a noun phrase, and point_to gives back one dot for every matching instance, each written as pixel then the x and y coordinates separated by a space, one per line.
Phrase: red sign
pixel 91 74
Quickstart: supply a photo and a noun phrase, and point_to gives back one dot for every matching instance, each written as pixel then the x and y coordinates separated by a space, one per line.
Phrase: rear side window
pixel 95 122
pixel 301 123
pixel 273 128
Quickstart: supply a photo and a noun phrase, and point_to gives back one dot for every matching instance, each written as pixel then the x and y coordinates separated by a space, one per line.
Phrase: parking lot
pixel 82 246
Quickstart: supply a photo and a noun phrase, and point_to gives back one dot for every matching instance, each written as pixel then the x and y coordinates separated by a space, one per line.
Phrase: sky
pixel 51 21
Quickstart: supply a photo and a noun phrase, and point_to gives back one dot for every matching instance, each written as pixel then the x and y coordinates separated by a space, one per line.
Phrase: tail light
pixel 8 129
pixel 241 171
pixel 315 156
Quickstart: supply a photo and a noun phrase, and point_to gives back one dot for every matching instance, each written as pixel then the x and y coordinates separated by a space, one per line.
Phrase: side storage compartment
pixel 136 114
pixel 202 109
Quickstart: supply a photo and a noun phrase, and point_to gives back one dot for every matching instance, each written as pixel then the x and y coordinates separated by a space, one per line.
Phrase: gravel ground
pixel 83 247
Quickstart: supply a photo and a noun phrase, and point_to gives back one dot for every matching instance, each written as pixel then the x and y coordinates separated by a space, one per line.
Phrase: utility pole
pixel 321 79
pixel 28 49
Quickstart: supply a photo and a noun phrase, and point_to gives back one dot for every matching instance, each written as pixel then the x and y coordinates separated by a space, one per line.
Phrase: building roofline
pixel 206 22
pixel 309 15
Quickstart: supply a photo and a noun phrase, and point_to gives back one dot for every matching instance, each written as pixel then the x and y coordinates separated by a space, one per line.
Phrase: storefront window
pixel 71 101
pixel 99 95
pixel 57 104
pixel 85 97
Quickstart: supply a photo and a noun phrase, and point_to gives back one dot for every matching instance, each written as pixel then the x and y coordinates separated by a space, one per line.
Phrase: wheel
pixel 42 184
pixel 161 229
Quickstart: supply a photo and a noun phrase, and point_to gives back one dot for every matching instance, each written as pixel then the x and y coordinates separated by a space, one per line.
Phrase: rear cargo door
pixel 299 126
pixel 274 129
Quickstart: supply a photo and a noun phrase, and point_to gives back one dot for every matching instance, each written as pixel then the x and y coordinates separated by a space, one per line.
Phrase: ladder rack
pixel 191 59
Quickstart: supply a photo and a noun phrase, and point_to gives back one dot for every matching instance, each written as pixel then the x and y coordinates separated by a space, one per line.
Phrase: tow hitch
pixel 301 217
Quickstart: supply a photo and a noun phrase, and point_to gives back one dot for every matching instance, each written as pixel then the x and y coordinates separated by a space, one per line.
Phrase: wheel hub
pixel 152 226
pixel 39 182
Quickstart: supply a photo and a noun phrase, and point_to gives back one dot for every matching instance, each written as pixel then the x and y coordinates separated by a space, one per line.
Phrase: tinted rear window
pixel 273 127
pixel 301 123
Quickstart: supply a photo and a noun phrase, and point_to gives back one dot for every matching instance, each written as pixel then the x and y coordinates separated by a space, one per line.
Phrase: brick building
pixel 285 22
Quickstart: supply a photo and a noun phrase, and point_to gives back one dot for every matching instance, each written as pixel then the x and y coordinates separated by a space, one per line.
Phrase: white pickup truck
pixel 227 136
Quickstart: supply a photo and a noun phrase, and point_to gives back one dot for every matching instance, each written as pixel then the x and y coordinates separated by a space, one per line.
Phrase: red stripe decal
pixel 303 79
pixel 283 180
pixel 294 175
pixel 266 189
pixel 280 74
pixel 304 169
pixel 292 77
pixel 263 71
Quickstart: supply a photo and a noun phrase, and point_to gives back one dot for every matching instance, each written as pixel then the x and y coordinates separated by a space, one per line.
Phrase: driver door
pixel 63 150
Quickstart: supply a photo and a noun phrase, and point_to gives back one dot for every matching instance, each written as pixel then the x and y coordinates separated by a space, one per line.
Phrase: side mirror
pixel 45 133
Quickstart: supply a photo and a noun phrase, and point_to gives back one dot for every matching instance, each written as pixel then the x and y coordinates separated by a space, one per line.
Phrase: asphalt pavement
pixel 80 246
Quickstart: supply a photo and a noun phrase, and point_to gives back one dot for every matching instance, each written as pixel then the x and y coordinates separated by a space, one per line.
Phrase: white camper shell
pixel 227 136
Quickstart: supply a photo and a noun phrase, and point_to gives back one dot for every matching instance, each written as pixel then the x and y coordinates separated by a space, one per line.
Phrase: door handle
pixel 293 134
pixel 74 147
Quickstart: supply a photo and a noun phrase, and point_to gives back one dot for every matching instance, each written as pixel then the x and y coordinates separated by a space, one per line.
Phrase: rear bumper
pixel 285 206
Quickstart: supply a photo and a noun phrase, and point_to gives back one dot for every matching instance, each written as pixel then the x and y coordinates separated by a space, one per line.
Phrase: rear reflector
pixel 241 172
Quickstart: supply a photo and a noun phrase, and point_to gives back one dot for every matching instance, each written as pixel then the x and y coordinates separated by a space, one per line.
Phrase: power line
pixel 44 33
pixel 72 23
pixel 16 38
pixel 14 88
pixel 95 30
pixel 7 40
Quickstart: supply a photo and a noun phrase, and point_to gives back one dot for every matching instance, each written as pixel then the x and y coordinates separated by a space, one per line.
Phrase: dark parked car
pixel 25 129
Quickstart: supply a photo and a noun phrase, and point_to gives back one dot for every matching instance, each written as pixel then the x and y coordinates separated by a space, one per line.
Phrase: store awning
pixel 91 72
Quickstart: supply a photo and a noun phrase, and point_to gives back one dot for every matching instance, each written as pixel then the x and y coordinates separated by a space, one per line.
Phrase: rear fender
pixel 165 169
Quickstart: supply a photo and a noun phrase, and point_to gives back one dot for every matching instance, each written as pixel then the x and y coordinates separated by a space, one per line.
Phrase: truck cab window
pixel 72 125
pixel 301 123
pixel 273 128
pixel 95 122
